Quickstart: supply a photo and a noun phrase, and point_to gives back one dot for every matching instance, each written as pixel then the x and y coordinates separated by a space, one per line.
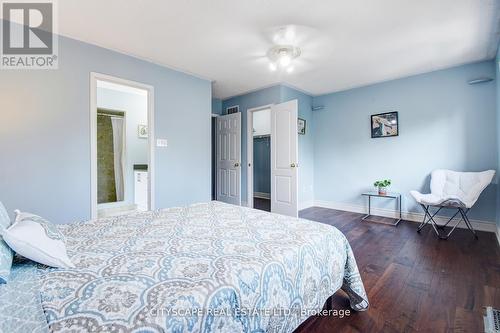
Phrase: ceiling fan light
pixel 285 60
pixel 289 35
pixel 282 56
pixel 290 69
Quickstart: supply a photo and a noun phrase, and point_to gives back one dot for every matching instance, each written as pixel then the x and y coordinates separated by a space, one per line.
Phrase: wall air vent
pixel 233 109
pixel 480 80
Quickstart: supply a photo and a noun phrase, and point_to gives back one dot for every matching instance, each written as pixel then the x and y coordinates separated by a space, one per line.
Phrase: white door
pixel 228 158
pixel 284 157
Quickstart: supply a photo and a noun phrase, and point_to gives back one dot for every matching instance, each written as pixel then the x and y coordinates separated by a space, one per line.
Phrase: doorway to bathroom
pixel 122 146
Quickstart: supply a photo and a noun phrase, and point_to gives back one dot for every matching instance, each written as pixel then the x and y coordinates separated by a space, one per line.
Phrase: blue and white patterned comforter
pixel 203 268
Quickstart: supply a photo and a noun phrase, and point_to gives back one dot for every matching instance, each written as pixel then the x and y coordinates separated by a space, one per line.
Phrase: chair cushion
pixel 462 187
pixel 455 189
pixel 37 239
pixel 434 200
pixel 5 251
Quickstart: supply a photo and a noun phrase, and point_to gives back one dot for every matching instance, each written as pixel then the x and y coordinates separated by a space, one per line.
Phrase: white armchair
pixel 452 189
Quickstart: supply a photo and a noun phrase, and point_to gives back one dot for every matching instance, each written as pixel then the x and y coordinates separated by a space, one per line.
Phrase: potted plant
pixel 382 186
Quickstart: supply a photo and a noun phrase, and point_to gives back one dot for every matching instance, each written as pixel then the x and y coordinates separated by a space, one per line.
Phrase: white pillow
pixel 37 239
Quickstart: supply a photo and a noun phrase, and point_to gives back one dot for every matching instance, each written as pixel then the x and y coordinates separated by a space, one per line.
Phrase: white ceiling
pixel 344 44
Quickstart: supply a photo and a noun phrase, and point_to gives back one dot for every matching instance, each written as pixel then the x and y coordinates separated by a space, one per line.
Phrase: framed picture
pixel 385 125
pixel 142 131
pixel 301 125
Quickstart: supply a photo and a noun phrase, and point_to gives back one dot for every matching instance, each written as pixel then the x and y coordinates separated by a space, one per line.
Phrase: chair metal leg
pixel 428 217
pixel 424 221
pixel 446 224
pixel 435 227
pixel 452 229
pixel 467 222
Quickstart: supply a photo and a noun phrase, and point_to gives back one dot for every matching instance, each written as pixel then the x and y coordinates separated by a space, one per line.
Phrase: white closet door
pixel 229 158
pixel 284 157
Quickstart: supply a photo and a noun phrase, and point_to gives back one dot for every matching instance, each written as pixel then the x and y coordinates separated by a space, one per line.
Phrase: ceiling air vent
pixel 233 109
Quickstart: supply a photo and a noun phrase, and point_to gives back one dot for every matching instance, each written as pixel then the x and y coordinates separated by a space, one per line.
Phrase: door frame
pixel 249 135
pixel 94 77
pixel 214 115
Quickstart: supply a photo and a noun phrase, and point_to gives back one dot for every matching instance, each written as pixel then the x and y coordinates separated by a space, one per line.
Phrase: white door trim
pixel 94 77
pixel 214 115
pixel 249 165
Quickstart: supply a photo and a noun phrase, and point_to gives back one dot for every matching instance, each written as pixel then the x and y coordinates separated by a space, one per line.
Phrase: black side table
pixel 389 195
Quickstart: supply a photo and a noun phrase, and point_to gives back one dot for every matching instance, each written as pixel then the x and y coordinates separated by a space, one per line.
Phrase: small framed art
pixel 384 125
pixel 301 126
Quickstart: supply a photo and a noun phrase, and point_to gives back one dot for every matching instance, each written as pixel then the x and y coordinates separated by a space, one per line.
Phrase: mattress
pixel 202 268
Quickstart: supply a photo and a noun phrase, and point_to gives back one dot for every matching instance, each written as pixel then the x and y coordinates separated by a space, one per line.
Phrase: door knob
pixel 293 165
pixel 236 164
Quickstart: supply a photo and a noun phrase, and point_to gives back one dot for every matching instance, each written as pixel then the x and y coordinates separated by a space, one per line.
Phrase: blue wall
pixel 45 149
pixel 262 164
pixel 216 106
pixel 274 95
pixel 444 123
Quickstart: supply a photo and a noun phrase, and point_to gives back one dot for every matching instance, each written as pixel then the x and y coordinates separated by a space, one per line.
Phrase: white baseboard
pixel 306 204
pixel 262 195
pixel 498 235
pixel 407 216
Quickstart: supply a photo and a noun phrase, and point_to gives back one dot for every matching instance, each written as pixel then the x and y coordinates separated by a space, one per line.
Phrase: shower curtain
pixel 118 140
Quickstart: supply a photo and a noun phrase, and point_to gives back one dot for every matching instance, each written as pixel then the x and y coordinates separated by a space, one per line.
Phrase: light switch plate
pixel 161 143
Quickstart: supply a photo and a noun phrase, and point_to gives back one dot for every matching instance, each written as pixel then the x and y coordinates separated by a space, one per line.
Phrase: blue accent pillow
pixel 5 251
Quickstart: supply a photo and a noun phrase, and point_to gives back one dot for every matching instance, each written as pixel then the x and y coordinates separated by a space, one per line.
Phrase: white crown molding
pixel 138 57
pixel 358 86
pixel 246 92
pixel 276 84
pixel 291 86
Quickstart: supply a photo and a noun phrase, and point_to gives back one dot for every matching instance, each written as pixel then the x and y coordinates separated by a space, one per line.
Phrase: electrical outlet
pixel 161 143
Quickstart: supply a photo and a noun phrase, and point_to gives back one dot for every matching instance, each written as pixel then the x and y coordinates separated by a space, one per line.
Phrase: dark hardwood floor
pixel 415 282
pixel 262 204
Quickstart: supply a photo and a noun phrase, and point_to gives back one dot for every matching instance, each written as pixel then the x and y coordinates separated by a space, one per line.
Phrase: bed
pixel 202 268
